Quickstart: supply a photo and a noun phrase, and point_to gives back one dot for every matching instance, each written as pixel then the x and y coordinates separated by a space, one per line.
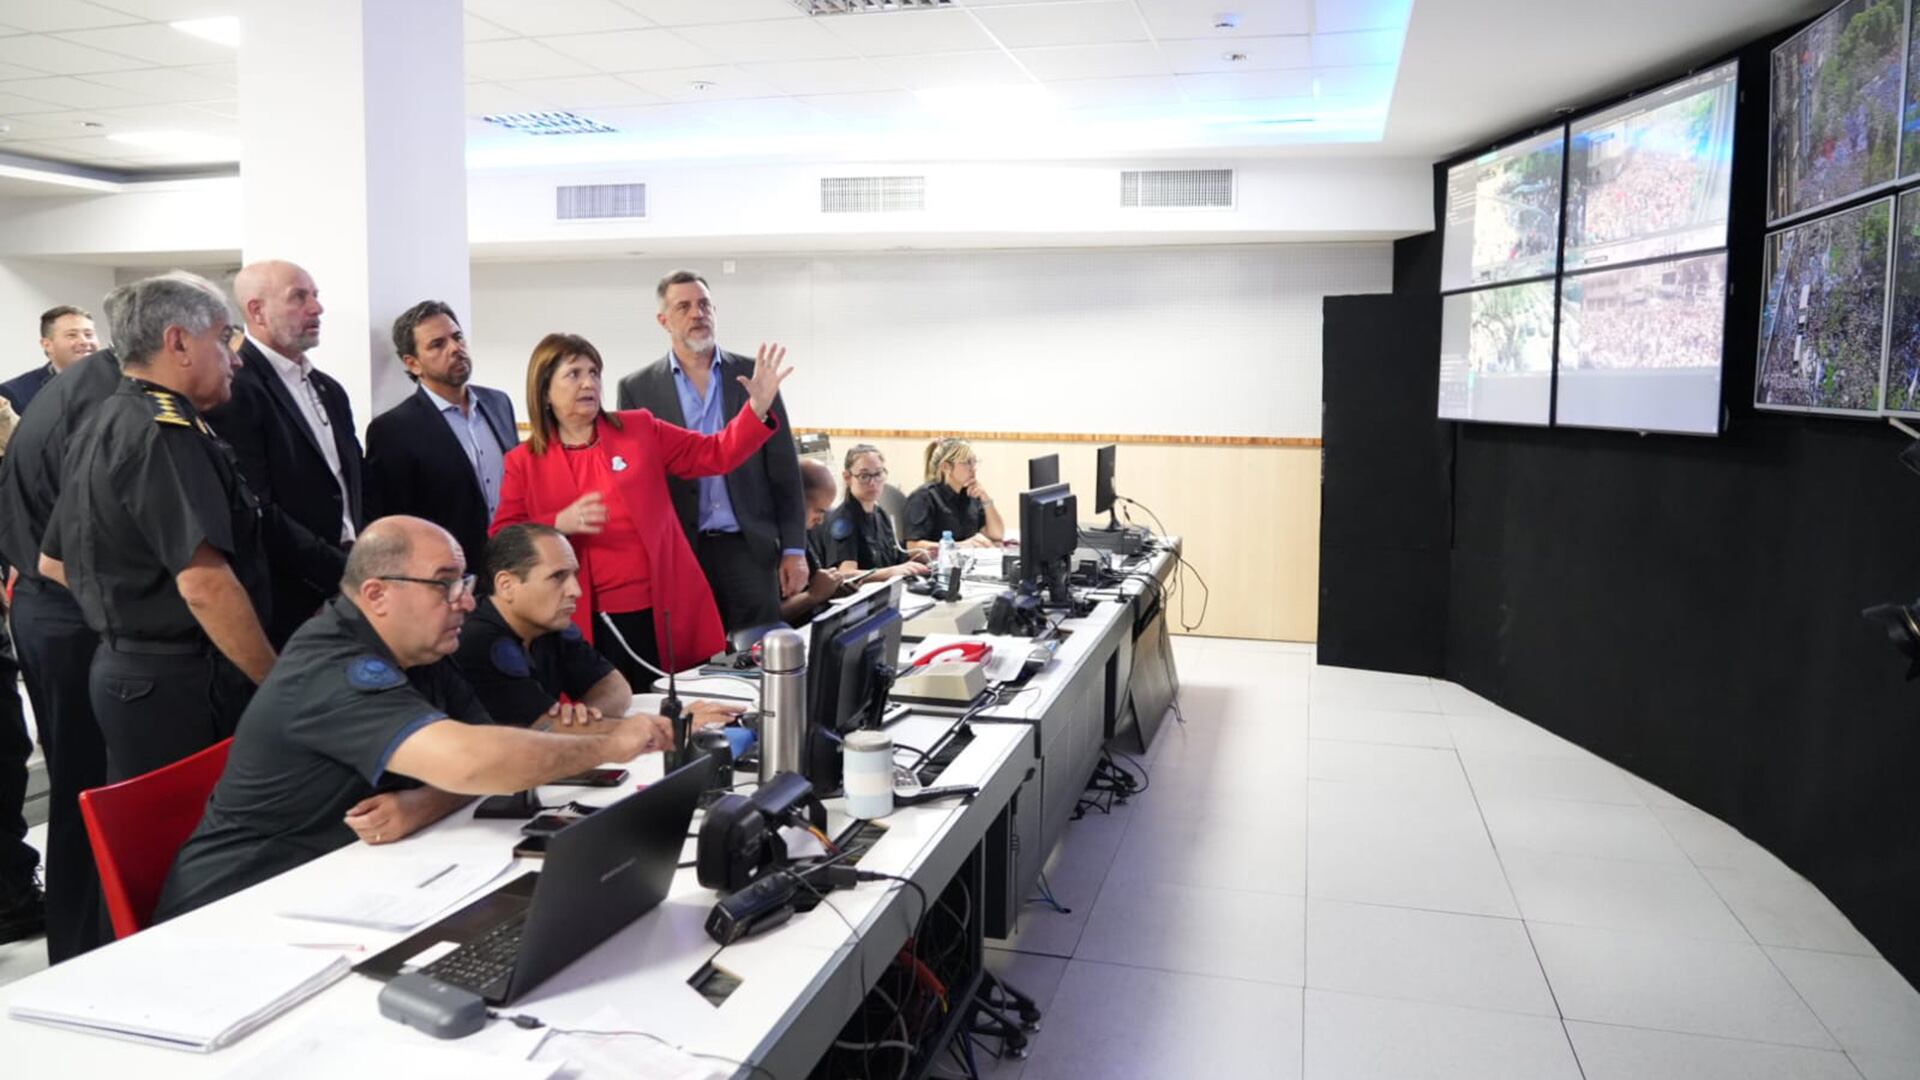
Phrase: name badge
pixel 619 463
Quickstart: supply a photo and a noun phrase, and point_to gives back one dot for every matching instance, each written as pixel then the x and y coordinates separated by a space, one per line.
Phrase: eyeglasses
pixel 456 589
pixel 870 477
pixel 967 462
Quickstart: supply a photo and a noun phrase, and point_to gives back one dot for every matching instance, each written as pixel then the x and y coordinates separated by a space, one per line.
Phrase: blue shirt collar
pixel 673 358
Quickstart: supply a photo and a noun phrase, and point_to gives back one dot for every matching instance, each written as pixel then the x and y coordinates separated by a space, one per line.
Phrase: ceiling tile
pixel 474 28
pixel 1359 47
pixel 1094 61
pixel 42 126
pixel 226 109
pixel 702 12
pixel 557 16
pixel 491 99
pixel 1247 85
pixel 15 71
pixel 1103 93
pixel 884 106
pixel 725 83
pixel 1337 16
pixel 14 105
pixel 519 58
pixel 939 71
pixel 1090 23
pixel 1262 54
pixel 172 10
pixel 808 77
pixel 630 50
pixel 63 57
pixel 227 75
pixel 71 93
pixel 764 42
pixel 153 42
pixel 577 92
pixel 1368 81
pixel 1258 18
pixel 46 16
pixel 904 32
pixel 166 84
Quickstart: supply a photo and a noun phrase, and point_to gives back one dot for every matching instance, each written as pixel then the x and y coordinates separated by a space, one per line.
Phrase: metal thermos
pixel 783 704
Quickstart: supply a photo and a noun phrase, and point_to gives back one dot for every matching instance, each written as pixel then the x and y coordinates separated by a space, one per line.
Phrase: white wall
pixel 1219 340
pixel 29 287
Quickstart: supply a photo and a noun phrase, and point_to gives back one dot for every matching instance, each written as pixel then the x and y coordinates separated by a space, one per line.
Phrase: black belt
pixel 708 534
pixel 140 647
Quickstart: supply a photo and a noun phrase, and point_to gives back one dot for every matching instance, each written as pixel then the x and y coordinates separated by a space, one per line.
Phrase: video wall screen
pixel 1837 98
pixel 1823 320
pixel 1496 354
pixel 1503 214
pixel 1903 337
pixel 1640 346
pixel 1652 177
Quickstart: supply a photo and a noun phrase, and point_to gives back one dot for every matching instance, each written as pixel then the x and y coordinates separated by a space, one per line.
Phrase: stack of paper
pixel 175 991
pixel 399 893
pixel 338 1046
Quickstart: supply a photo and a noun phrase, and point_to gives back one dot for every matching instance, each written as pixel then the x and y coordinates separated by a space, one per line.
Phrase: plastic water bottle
pixel 949 555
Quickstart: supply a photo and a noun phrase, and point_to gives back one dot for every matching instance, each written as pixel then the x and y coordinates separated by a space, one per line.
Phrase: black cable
pixel 1182 563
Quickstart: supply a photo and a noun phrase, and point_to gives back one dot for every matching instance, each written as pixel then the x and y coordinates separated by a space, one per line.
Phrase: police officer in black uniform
pixel 952 500
pixel 858 530
pixel 159 538
pixel 56 645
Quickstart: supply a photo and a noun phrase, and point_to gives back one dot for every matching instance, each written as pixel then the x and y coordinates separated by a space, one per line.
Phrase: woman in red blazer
pixel 601 478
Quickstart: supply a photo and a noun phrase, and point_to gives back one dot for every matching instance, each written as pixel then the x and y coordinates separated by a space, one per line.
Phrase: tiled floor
pixel 1344 874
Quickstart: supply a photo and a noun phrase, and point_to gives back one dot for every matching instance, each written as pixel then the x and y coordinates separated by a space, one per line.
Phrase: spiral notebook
pixel 178 992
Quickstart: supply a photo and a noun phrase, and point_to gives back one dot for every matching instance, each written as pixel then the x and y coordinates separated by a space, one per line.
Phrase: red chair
pixel 137 826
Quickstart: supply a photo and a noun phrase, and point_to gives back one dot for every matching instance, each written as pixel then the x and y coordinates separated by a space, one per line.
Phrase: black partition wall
pixel 1686 607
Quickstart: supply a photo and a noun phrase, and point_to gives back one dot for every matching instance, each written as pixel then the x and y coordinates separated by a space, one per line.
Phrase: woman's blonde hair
pixel 548 357
pixel 945 452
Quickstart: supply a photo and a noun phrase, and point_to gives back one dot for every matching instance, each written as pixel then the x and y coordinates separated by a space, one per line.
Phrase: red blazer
pixel 537 487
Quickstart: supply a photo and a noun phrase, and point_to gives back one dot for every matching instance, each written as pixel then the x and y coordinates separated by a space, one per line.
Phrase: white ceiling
pixel 73 72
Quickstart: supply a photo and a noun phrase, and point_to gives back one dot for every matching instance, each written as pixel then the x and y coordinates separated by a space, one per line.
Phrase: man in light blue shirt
pixel 416 464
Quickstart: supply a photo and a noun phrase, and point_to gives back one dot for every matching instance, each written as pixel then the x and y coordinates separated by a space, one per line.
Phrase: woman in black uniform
pixel 952 500
pixel 858 531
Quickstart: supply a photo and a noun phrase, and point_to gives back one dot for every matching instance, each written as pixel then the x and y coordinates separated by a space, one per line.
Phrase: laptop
pixel 602 872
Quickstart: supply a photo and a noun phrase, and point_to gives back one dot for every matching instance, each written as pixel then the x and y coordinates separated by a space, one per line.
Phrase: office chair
pixel 894 502
pixel 137 826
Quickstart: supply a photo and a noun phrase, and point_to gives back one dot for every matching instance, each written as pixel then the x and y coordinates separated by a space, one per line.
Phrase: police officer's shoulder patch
pixel 842 527
pixel 373 673
pixel 509 658
pixel 166 409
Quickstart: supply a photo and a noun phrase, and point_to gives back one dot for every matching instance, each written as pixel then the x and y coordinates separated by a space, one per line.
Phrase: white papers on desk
pixel 389 893
pixel 174 991
pixel 335 1047
pixel 633 1056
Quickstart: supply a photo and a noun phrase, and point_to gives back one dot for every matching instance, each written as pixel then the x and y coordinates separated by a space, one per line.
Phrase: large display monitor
pixel 1496 354
pixel 1823 317
pixel 1836 96
pixel 1903 338
pixel 1650 178
pixel 1503 214
pixel 1641 346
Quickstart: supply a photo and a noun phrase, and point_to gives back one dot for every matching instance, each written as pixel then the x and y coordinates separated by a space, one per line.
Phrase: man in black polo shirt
pixel 365 727
pixel 521 650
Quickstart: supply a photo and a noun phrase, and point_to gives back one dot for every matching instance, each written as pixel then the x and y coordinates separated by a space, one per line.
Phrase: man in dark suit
pixel 440 453
pixel 66 335
pixel 748 528
pixel 292 429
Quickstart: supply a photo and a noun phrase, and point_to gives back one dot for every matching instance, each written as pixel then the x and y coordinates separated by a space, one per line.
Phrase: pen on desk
pixel 437 875
pixel 343 946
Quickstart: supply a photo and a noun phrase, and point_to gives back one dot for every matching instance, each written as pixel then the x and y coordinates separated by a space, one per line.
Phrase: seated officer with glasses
pixel 858 534
pixel 366 729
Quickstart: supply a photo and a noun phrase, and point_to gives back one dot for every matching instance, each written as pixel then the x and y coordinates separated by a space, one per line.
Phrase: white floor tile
pixel 1669 899
pixel 1392 696
pixel 1466 960
pixel 1507 734
pixel 1402 767
pixel 1861 999
pixel 1371 868
pixel 1779 907
pixel 1623 1053
pixel 1457 700
pixel 1673 984
pixel 1224 932
pixel 1350 1037
pixel 1111 1021
pixel 1256 853
pixel 1397 813
pixel 1354 724
pixel 1708 841
pixel 1875 1067
pixel 1583 779
pixel 1596 830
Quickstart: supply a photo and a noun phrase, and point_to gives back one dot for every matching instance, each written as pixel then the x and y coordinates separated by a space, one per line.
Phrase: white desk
pixel 800 982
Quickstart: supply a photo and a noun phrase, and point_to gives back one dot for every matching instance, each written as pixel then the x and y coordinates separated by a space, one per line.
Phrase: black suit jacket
pixel 416 466
pixel 283 465
pixel 765 491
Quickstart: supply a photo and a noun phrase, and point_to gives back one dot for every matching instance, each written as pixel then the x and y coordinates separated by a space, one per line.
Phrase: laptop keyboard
pixel 479 964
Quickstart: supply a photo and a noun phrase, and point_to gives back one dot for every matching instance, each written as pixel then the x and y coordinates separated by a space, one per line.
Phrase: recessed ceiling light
pixel 91 124
pixel 549 123
pixel 224 30
pixel 189 144
pixel 1234 57
pixel 700 85
pixel 1227 20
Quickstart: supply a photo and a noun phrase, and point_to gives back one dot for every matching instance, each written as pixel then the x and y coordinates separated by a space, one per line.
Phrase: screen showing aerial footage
pixel 1503 214
pixel 1496 354
pixel 1836 107
pixel 1823 315
pixel 1903 350
pixel 1910 127
pixel 1640 346
pixel 1651 177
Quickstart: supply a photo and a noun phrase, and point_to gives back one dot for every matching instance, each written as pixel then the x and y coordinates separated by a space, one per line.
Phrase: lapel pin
pixel 619 463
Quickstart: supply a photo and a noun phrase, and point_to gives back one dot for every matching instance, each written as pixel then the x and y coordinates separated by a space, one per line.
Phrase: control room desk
pixel 800 981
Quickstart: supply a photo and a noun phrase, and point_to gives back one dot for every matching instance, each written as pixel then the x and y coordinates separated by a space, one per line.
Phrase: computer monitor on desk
pixel 851 654
pixel 1043 471
pixel 1049 532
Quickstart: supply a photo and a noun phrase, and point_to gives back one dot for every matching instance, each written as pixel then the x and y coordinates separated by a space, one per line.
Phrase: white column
pixel 352 165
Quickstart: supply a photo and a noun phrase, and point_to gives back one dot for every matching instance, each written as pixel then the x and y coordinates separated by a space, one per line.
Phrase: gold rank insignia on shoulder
pixel 166 409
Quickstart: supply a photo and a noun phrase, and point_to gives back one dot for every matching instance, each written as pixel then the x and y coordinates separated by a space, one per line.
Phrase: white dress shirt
pixel 296 375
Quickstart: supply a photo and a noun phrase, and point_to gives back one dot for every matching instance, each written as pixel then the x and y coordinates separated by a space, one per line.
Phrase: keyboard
pixel 480 964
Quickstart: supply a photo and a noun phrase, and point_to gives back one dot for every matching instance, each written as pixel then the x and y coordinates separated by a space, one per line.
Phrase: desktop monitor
pixel 1049 532
pixel 1103 480
pixel 850 659
pixel 1043 471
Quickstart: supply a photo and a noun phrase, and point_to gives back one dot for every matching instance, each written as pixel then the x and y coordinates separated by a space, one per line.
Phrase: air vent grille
pixel 868 7
pixel 585 201
pixel 872 194
pixel 1177 188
